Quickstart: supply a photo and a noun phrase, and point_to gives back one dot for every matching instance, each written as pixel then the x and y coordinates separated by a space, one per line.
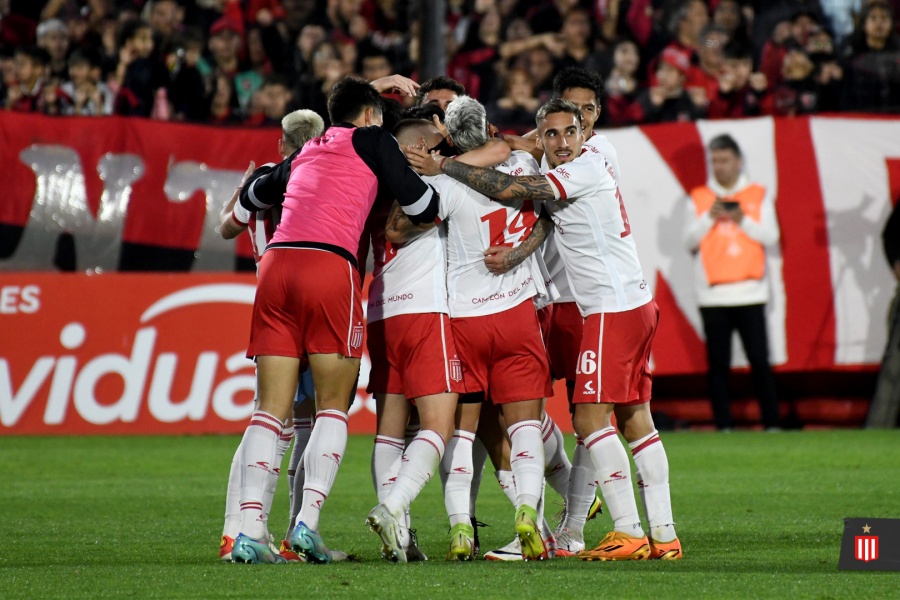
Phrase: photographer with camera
pixel 729 223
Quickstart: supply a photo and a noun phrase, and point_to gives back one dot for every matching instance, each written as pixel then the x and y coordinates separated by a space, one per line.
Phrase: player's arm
pixel 231 225
pixel 378 149
pixel 491 153
pixel 399 229
pixel 500 259
pixel 266 186
pixel 489 182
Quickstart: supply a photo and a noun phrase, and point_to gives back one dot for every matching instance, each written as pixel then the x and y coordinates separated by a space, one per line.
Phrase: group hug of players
pixel 501 264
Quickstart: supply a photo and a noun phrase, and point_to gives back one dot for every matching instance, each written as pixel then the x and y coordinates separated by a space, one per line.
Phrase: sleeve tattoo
pixel 400 229
pixel 517 255
pixel 499 185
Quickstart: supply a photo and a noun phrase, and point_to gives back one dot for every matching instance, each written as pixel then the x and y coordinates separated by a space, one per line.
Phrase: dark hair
pixel 391 113
pixel 735 50
pixel 129 29
pixel 578 77
pixel 36 54
pixel 858 43
pixel 425 111
pixel 441 82
pixel 725 142
pixel 350 97
pixel 275 79
pixel 84 55
pixel 557 105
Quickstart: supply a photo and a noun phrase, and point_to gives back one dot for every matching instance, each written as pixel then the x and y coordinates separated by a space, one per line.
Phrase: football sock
pixel 581 491
pixel 611 461
pixel 258 463
pixel 527 461
pixel 652 468
pixel 296 473
pixel 281 446
pixel 321 460
pixel 386 457
pixel 412 430
pixel 233 494
pixel 557 466
pixel 479 458
pixel 421 459
pixel 508 485
pixel 456 475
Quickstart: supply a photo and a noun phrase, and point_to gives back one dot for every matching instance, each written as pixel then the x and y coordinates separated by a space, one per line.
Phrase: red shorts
pixel 614 362
pixel 545 317
pixel 307 302
pixel 413 355
pixel 503 355
pixel 564 340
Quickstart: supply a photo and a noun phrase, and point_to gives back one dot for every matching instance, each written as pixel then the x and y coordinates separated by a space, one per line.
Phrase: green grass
pixel 760 515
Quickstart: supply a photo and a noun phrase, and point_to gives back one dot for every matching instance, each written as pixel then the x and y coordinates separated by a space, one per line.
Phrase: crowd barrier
pixel 103 352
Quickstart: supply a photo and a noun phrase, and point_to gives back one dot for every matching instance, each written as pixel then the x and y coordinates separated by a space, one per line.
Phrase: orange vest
pixel 729 255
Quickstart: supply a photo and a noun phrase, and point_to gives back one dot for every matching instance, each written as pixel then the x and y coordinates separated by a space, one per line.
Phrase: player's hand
pixel 396 83
pixel 497 259
pixel 440 126
pixel 423 161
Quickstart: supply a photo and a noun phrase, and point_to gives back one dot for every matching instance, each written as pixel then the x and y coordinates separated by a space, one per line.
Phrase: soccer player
pixel 308 301
pixel 613 375
pixel 440 90
pixel 583 88
pixel 413 357
pixel 297 128
pixel 497 334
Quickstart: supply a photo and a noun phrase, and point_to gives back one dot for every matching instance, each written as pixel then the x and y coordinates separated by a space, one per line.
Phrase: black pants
pixel 750 321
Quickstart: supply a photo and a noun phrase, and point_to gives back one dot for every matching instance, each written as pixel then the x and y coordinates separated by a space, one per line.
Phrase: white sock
pixel 652 468
pixel 611 461
pixel 321 460
pixel 258 463
pixel 479 458
pixel 557 465
pixel 386 456
pixel 412 430
pixel 508 485
pixel 296 472
pixel 526 457
pixel 281 446
pixel 456 476
pixel 581 489
pixel 419 462
pixel 233 494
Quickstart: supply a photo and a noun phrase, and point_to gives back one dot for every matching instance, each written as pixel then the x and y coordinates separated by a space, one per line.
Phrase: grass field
pixel 760 516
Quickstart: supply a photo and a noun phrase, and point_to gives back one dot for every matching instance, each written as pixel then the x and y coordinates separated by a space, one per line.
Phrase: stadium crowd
pixel 250 62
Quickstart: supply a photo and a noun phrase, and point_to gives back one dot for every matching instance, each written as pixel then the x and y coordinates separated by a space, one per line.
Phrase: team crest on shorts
pixel 356 337
pixel 455 369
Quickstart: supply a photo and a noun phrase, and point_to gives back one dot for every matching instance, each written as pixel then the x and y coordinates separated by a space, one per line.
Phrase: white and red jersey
pixel 408 278
pixel 549 249
pixel 593 236
pixel 475 222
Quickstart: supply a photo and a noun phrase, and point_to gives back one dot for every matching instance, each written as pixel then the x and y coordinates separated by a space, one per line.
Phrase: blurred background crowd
pixel 249 62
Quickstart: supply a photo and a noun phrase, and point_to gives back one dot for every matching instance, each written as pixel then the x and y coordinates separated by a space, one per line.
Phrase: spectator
pixel 223 106
pixel 786 35
pixel 578 42
pixel 247 82
pixel 871 61
pixel 141 74
pixel 276 95
pixel 740 92
pixel 729 15
pixel 711 57
pixel 26 94
pixel 802 90
pixel 225 43
pixel 310 37
pixel 621 84
pixel 188 92
pixel 668 100
pixel 686 23
pixel 375 66
pixel 88 95
pixel 514 111
pixel 7 72
pixel 165 17
pixel 729 223
pixel 327 69
pixel 541 67
pixel 53 36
